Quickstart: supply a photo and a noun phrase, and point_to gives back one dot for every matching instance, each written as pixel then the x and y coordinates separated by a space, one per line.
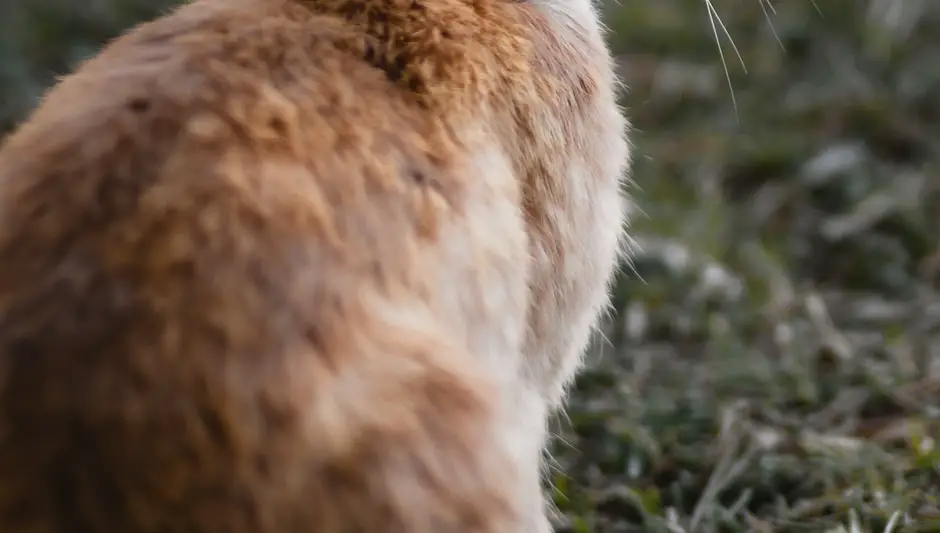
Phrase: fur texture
pixel 317 266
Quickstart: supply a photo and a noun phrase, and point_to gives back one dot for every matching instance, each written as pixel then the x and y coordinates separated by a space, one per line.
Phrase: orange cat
pixel 317 266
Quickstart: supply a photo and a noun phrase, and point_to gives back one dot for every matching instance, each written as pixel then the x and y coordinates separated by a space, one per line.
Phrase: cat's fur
pixel 306 266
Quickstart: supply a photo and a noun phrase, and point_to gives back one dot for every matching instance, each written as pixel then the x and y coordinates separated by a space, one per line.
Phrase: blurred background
pixel 772 365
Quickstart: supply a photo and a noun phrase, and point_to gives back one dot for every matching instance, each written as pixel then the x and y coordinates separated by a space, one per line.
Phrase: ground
pixel 773 361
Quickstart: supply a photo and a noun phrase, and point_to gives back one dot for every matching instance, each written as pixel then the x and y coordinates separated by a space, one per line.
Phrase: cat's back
pixel 235 292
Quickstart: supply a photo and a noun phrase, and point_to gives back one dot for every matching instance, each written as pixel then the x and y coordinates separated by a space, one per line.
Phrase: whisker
pixel 716 22
pixel 768 8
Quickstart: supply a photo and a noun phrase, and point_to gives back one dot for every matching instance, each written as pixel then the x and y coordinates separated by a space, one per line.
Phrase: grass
pixel 773 362
pixel 773 366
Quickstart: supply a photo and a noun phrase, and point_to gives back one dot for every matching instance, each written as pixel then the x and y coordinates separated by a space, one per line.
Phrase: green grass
pixel 773 366
pixel 773 363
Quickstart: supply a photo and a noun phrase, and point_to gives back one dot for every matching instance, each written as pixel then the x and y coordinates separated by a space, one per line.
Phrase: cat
pixel 306 266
